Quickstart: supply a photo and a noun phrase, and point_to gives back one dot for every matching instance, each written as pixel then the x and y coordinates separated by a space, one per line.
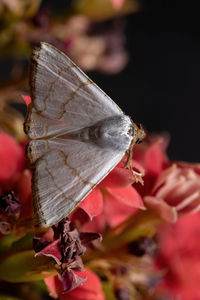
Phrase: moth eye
pixel 130 131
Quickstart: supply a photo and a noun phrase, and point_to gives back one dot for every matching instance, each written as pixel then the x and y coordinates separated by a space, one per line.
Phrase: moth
pixel 78 134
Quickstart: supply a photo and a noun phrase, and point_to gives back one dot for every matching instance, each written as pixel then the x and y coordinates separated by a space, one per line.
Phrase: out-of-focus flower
pixel 94 47
pixel 117 3
pixel 170 189
pixel 27 99
pixel 14 177
pixel 179 257
pixel 151 155
pixel 11 158
pixel 89 290
pixel 175 192
pixel 103 10
pixel 19 8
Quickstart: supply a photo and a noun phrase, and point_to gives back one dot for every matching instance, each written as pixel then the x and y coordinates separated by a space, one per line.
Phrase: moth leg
pixel 128 165
pixel 137 175
pixel 129 153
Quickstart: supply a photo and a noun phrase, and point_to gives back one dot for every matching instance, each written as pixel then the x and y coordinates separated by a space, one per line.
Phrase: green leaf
pixel 6 297
pixel 108 290
pixel 24 267
pixel 7 241
pixel 24 243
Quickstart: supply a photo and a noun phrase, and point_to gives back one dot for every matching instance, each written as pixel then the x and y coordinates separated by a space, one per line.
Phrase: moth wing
pixel 66 174
pixel 64 99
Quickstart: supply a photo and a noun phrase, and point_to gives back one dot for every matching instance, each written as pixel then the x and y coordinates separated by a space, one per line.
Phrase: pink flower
pixel 179 257
pixel 89 290
pixel 15 180
pixel 175 192
pixel 112 201
pixel 11 159
pixel 117 3
pixel 170 189
pixel 151 155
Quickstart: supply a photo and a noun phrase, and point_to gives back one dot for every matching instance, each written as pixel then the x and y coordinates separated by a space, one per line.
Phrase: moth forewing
pixel 78 134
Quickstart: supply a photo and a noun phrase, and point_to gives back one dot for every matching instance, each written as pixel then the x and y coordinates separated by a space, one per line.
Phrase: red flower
pixel 151 155
pixel 175 192
pixel 113 200
pixel 179 257
pixel 117 3
pixel 11 158
pixel 90 290
pixel 14 176
pixel 170 189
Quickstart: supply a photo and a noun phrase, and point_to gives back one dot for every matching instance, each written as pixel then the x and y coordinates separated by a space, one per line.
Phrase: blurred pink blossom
pixel 117 3
pixel 179 257
pixel 175 192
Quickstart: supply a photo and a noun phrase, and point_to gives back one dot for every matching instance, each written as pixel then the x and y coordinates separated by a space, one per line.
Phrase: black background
pixel 160 86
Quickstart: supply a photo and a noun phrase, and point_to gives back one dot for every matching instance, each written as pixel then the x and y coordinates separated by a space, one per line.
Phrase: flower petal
pixel 161 208
pixel 70 280
pixel 128 196
pixel 90 288
pixel 98 224
pixel 155 159
pixel 27 99
pixel 118 177
pixel 116 212
pixel 93 203
pixel 52 250
pixel 51 286
pixel 120 204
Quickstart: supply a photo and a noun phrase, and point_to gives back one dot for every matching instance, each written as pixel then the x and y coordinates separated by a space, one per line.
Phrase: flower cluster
pixel 134 254
pixel 179 257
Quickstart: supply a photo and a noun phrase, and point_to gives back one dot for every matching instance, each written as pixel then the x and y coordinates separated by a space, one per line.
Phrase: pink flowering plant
pixel 128 239
pixel 118 243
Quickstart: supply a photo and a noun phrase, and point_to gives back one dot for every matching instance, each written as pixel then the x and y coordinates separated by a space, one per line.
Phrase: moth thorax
pixel 114 132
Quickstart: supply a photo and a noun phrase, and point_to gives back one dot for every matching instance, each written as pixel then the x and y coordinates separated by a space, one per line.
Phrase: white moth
pixel 78 134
